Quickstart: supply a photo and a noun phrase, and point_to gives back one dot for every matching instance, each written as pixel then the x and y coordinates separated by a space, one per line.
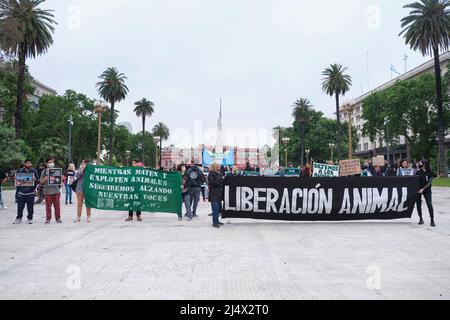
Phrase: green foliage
pixel 162 131
pixel 11 154
pixel 150 148
pixel 335 81
pixel 410 111
pixel 319 133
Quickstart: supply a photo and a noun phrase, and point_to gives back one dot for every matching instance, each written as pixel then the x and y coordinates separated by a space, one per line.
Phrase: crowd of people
pixel 196 183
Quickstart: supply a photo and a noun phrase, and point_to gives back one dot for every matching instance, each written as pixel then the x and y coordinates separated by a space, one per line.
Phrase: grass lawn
pixel 441 182
pixel 8 186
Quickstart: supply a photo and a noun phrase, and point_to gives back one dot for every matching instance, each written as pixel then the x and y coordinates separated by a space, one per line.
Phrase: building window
pixel 359 148
pixel 366 147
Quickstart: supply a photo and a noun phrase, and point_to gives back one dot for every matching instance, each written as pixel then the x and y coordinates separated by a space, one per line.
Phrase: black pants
pixel 21 202
pixel 204 193
pixel 429 200
pixel 138 213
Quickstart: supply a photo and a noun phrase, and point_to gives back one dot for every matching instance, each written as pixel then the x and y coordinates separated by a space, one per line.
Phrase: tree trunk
pixel 160 154
pixel 20 91
pixel 443 173
pixel 111 128
pixel 339 130
pixel 302 137
pixel 143 138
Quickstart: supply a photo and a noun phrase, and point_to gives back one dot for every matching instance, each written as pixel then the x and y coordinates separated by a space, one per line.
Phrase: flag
pixel 394 70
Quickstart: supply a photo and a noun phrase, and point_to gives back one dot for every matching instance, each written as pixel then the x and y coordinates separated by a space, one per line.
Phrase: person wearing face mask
pixel 52 194
pixel 426 176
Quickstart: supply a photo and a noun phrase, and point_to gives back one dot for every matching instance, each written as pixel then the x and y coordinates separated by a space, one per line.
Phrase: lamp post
pixel 128 157
pixel 100 108
pixel 308 151
pixel 349 109
pixel 386 122
pixel 286 143
pixel 157 141
pixel 332 146
pixel 70 138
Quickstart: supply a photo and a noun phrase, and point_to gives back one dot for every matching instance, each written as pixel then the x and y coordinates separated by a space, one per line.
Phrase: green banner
pixel 132 189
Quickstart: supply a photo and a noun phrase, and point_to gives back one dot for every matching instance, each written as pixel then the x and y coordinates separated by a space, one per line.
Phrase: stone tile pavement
pixel 162 258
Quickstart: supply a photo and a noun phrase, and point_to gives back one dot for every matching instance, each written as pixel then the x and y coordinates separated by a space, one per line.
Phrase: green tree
pixel 143 109
pixel 31 36
pixel 336 83
pixel 427 29
pixel 112 88
pixel 11 154
pixel 137 141
pixel 54 147
pixel 163 132
pixel 301 114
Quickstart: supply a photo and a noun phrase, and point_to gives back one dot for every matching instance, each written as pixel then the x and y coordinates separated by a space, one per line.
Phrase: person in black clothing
pixel 194 179
pixel 25 194
pixel 138 213
pixel 215 182
pixel 426 176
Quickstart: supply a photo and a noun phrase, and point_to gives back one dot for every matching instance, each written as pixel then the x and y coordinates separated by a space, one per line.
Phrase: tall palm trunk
pixel 20 91
pixel 143 138
pixel 302 137
pixel 440 116
pixel 339 130
pixel 111 128
pixel 160 154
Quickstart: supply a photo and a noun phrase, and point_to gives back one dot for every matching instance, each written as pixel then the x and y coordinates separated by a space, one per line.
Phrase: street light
pixel 157 141
pixel 100 108
pixel 70 121
pixel 128 157
pixel 386 123
pixel 308 151
pixel 332 146
pixel 286 141
pixel 349 109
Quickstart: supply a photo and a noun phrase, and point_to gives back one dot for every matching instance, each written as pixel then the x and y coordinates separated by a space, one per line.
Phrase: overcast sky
pixel 259 56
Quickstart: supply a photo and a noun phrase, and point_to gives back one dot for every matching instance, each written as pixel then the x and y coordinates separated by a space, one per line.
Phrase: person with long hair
pixel 426 176
pixel 80 192
pixel 70 178
pixel 215 182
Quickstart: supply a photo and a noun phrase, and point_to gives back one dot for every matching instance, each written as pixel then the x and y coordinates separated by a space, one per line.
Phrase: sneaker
pixel 180 218
pixel 221 224
pixel 77 220
pixel 421 222
pixel 139 218
pixel 59 221
pixel 129 219
pixel 433 224
pixel 18 221
pixel 30 221
pixel 216 226
pixel 47 221
pixel 88 220
pixel 195 216
pixel 210 215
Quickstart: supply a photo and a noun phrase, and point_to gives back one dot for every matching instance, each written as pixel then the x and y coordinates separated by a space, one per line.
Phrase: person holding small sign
pixel 26 190
pixel 52 179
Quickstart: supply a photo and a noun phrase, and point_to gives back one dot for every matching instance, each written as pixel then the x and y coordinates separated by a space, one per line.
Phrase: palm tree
pixel 29 34
pixel 336 83
pixel 112 88
pixel 427 29
pixel 144 108
pixel 302 109
pixel 163 132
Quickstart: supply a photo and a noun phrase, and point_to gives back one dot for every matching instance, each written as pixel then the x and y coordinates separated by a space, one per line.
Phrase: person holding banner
pixel 52 194
pixel 26 192
pixel 405 169
pixel 426 176
pixel 79 190
pixel 136 163
pixel 216 190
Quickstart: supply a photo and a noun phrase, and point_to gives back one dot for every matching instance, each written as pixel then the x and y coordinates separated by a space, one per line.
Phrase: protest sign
pixel 378 161
pixel 321 170
pixel 350 167
pixel 25 180
pixel 132 189
pixel 54 177
pixel 319 199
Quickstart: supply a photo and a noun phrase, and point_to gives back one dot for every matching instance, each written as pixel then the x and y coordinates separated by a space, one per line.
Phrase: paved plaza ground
pixel 162 258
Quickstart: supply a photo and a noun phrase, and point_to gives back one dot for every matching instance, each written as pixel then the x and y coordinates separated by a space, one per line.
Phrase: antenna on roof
pixel 405 59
